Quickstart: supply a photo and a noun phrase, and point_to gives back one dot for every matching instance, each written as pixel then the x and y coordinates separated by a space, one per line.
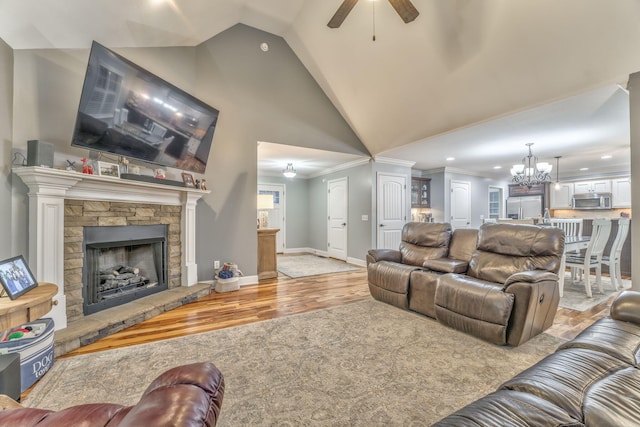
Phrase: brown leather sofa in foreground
pixel 499 283
pixel 185 396
pixel 591 381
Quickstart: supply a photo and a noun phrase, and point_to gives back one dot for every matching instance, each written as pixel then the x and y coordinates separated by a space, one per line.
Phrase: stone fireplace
pixel 64 205
pixel 122 264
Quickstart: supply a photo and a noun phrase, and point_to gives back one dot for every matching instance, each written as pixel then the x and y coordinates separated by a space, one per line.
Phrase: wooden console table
pixel 28 307
pixel 267 258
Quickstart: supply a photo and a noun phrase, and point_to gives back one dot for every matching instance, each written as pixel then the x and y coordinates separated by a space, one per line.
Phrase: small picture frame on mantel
pixel 108 169
pixel 187 178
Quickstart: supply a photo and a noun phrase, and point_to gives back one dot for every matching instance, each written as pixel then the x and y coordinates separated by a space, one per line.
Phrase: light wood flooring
pixel 282 297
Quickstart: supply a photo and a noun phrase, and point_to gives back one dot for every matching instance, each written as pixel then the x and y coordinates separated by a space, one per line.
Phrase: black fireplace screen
pixel 123 263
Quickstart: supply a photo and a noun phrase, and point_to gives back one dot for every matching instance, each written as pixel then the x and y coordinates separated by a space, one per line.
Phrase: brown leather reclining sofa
pixel 498 283
pixel 592 380
pixel 186 396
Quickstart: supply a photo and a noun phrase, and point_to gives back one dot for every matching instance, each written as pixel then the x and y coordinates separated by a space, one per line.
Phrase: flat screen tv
pixel 128 111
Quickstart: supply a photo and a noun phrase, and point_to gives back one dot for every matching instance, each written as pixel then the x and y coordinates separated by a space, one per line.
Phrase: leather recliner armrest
pixel 531 276
pixel 446 265
pixel 376 255
pixel 626 307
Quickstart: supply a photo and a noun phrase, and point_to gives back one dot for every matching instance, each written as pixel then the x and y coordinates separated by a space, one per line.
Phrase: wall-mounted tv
pixel 129 111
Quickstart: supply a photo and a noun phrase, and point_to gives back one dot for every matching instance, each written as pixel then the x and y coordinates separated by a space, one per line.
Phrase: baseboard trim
pixel 356 261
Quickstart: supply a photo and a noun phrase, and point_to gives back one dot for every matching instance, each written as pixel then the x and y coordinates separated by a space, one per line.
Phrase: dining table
pixel 571 244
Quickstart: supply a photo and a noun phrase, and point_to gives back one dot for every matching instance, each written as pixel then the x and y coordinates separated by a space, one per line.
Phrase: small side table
pixel 267 258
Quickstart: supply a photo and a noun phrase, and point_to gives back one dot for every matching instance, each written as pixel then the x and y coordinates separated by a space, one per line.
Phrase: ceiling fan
pixel 405 9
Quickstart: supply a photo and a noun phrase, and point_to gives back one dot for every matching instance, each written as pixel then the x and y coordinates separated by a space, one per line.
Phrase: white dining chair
pixel 613 259
pixel 570 226
pixel 592 258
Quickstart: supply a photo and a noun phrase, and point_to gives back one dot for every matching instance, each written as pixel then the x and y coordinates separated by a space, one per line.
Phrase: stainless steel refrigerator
pixel 525 207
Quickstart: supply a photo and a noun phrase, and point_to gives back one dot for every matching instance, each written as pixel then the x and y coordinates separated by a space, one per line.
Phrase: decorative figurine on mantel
pixel 203 186
pixel 86 168
pixel 71 166
pixel 198 184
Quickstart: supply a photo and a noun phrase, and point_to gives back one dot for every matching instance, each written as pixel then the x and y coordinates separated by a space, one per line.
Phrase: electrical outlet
pixel 216 264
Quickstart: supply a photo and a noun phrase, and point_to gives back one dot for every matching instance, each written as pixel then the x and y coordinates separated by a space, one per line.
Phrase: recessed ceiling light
pixel 606 156
pixel 497 167
pixel 264 47
pixel 584 169
pixel 450 159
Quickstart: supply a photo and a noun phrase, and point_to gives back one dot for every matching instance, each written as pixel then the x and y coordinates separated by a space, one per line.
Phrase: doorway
pixel 391 209
pixel 460 204
pixel 337 218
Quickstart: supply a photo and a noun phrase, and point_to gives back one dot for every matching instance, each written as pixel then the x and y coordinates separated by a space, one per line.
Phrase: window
pixel 495 202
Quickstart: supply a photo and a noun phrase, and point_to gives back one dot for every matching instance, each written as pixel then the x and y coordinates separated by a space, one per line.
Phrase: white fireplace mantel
pixel 48 188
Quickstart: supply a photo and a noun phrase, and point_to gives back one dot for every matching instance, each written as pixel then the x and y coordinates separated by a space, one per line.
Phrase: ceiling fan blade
pixel 405 9
pixel 341 13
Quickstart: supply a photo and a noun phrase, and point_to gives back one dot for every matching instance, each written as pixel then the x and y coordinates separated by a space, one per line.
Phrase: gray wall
pixel 6 101
pixel 359 238
pixel 262 96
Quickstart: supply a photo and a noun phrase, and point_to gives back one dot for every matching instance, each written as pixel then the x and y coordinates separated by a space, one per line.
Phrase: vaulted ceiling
pixel 460 64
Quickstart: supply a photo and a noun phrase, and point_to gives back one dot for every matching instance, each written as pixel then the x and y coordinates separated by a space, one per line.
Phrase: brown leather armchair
pixel 189 395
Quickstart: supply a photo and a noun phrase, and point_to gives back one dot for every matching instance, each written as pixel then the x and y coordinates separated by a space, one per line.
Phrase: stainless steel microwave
pixel 592 201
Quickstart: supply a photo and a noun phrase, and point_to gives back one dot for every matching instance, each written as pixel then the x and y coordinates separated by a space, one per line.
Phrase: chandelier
pixel 530 172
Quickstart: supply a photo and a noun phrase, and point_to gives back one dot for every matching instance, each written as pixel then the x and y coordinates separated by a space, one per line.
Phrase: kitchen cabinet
pixel 420 192
pixel 599 186
pixel 561 198
pixel 621 192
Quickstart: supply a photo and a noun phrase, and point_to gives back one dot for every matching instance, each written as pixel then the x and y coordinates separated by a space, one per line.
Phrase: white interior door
pixel 391 209
pixel 460 204
pixel 277 215
pixel 337 224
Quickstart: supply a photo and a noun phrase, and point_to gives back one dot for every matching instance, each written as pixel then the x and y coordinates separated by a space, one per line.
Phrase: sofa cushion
pixel 505 249
pixel 615 400
pixel 474 306
pixel 565 377
pixel 613 337
pixel 509 408
pixel 422 241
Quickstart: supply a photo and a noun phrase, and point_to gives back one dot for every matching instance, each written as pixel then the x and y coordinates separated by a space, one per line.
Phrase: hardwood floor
pixel 280 297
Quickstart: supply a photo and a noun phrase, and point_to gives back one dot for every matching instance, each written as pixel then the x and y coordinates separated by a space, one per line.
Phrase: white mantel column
pixel 46 236
pixel 189 268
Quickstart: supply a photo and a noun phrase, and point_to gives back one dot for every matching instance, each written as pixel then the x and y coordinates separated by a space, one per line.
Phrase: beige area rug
pixel 575 297
pixel 310 265
pixel 360 364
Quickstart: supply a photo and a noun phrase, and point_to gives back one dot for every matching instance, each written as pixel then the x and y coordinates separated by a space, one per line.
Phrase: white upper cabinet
pixel 621 192
pixel 561 198
pixel 600 186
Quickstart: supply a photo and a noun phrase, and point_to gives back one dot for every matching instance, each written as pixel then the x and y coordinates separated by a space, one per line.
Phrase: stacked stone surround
pixel 83 213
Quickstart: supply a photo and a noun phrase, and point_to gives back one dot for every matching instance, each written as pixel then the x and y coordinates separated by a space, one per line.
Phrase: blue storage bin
pixel 35 348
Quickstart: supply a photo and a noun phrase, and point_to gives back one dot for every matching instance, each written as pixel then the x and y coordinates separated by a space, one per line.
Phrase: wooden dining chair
pixel 592 258
pixel 613 259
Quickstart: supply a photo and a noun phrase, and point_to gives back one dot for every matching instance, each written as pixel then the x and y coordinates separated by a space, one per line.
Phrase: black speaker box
pixel 10 375
pixel 39 153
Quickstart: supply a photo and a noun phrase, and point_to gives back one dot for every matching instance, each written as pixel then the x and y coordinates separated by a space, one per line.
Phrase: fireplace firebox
pixel 122 264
